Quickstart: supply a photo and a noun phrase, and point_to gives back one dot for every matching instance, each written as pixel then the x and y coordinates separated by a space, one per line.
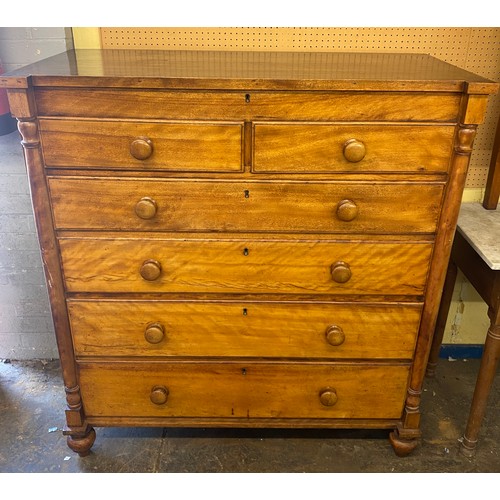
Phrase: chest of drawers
pixel 245 239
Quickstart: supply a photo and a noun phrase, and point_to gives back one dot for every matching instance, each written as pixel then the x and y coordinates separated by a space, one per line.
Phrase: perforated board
pixel 474 49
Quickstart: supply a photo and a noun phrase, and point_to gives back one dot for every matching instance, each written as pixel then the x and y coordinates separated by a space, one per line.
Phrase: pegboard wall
pixel 474 49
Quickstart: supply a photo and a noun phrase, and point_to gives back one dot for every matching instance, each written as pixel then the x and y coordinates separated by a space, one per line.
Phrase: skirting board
pixel 461 351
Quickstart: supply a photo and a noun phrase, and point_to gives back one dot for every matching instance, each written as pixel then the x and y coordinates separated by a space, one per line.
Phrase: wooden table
pixel 476 251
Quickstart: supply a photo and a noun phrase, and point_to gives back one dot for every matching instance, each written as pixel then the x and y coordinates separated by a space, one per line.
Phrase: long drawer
pixel 173 205
pixel 180 146
pixel 247 329
pixel 126 264
pixel 243 390
pixel 189 105
pixel 332 147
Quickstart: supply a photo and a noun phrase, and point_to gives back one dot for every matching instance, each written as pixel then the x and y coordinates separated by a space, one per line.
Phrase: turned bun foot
pixel 402 447
pixel 82 444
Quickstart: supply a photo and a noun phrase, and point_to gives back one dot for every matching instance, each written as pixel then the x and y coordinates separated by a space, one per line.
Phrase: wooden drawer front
pixel 318 148
pixel 243 390
pixel 263 329
pixel 253 266
pixel 112 103
pixel 195 146
pixel 116 204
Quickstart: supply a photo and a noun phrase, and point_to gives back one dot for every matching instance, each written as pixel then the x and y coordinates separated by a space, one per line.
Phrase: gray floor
pixel 32 418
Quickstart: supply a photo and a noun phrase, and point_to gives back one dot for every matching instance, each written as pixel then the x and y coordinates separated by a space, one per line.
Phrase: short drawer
pixel 249 329
pixel 250 206
pixel 243 390
pixel 332 147
pixel 176 146
pixel 246 266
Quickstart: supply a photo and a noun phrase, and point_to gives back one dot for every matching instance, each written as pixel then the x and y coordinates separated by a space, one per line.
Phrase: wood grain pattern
pixel 182 105
pixel 110 204
pixel 193 146
pixel 227 259
pixel 298 147
pixel 256 329
pixel 222 265
pixel 223 70
pixel 238 389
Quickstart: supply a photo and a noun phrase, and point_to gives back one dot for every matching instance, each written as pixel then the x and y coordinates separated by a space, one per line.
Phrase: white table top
pixel 481 228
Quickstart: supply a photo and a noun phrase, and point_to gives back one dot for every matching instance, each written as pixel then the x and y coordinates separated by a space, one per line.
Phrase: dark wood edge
pixel 492 192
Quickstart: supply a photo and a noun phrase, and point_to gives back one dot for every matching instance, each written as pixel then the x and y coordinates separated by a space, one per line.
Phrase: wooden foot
pixel 402 447
pixel 468 448
pixel 81 444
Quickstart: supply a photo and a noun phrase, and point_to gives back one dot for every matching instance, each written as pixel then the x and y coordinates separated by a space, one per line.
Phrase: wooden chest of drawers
pixel 245 239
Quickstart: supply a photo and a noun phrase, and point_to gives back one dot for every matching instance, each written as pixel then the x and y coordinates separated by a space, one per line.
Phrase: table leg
pixel 487 371
pixel 444 308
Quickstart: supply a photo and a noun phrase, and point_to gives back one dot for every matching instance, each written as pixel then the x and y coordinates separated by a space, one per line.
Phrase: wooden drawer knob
pixel 335 335
pixel 328 396
pixel 141 148
pixel 159 395
pixel 354 150
pixel 341 272
pixel 151 270
pixel 146 208
pixel 347 210
pixel 154 333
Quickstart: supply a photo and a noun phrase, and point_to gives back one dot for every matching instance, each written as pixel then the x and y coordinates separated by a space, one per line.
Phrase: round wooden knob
pixel 335 335
pixel 354 150
pixel 347 210
pixel 154 333
pixel 141 148
pixel 159 395
pixel 341 272
pixel 328 396
pixel 151 270
pixel 146 208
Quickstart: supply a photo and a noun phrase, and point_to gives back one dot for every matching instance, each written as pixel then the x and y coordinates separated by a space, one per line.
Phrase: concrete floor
pixel 32 416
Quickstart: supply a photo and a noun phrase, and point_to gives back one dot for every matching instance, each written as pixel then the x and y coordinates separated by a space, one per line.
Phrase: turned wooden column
pixel 80 435
pixel 405 437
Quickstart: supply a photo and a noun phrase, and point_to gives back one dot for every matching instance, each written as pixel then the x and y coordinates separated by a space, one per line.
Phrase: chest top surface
pixel 248 70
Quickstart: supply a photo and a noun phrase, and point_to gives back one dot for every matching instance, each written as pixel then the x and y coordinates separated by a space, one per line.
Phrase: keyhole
pixel 247 193
pixel 243 371
pixel 247 97
pixel 245 312
pixel 245 252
